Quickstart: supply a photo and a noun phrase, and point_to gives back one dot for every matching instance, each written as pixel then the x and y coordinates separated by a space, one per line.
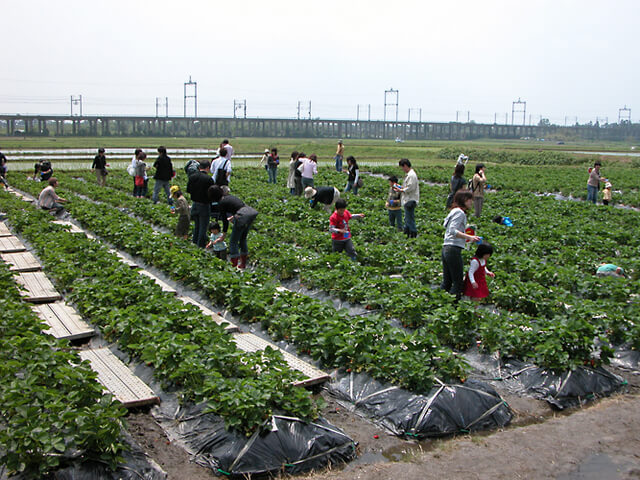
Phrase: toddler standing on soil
pixel 216 241
pixel 475 282
pixel 606 194
pixel 394 205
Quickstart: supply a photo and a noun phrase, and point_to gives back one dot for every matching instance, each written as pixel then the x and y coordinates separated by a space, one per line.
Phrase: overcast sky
pixel 567 59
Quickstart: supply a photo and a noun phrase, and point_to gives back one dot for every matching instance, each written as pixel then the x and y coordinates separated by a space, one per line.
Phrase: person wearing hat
pixel 263 160
pixel 606 193
pixel 100 165
pixel 339 156
pixel 325 195
pixel 181 207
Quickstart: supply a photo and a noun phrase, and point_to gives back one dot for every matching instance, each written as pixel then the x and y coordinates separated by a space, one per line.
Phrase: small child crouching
pixel 339 228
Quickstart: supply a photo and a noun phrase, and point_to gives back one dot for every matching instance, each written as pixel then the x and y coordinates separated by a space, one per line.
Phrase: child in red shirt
pixel 339 228
pixel 475 282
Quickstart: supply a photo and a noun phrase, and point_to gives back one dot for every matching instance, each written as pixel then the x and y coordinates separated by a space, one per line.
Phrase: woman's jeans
pixel 200 214
pixel 238 241
pixel 351 186
pixel 452 270
pixel 272 171
pixel 592 193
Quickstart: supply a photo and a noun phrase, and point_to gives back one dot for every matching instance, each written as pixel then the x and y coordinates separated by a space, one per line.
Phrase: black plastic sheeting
pixel 627 359
pixel 562 390
pixel 136 466
pixel 446 410
pixel 285 444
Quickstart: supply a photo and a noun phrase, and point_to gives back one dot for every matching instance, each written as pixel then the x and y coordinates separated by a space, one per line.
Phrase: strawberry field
pixel 546 308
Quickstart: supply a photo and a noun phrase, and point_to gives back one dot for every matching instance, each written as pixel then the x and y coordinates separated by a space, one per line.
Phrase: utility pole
pixel 523 111
pixel 166 106
pixel 309 109
pixel 191 84
pixel 298 109
pixel 390 92
pixel 240 105
pixel 76 101
pixel 419 110
pixel 468 116
pixel 368 114
pixel 624 114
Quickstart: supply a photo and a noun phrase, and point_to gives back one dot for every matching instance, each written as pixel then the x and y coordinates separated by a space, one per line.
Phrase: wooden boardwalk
pixel 4 230
pixel 39 288
pixel 63 321
pixel 252 343
pixel 118 380
pixel 21 262
pixel 11 245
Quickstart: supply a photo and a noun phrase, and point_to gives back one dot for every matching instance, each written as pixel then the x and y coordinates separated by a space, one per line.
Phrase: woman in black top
pixel 232 209
pixel 457 182
pixel 354 175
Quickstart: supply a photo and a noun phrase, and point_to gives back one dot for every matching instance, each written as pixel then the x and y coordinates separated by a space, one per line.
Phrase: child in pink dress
pixel 475 282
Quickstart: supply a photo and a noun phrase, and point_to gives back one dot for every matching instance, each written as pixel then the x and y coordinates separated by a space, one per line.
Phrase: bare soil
pixel 598 441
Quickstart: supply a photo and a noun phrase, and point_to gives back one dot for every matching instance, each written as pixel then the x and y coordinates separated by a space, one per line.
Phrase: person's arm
pixel 490 273
pixel 355 180
pixel 473 268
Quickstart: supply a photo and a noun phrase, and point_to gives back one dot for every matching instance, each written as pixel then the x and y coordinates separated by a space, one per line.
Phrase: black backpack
pixel 192 167
pixel 221 175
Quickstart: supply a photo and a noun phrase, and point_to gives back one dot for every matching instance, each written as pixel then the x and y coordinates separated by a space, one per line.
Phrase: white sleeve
pixel 473 268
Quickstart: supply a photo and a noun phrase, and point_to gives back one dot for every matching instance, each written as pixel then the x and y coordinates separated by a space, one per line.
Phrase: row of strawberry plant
pixel 189 352
pixel 52 408
pixel 252 296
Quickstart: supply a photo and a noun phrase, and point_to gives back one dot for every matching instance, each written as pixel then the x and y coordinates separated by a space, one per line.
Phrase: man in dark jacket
pixel 197 187
pixel 100 167
pixel 163 175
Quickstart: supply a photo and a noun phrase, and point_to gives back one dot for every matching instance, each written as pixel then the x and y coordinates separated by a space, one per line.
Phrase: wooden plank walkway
pixel 252 343
pixel 63 321
pixel 11 245
pixel 20 195
pixel 118 380
pixel 21 262
pixel 231 327
pixel 163 285
pixel 39 288
pixel 4 230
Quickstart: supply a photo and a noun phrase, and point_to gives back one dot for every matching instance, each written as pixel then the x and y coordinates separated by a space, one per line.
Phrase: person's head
pixel 462 199
pixel 484 250
pixel 214 227
pixel 141 155
pixel 137 152
pixel 215 193
pixel 162 150
pixel 341 205
pixel 101 151
pixel 459 171
pixel 313 157
pixel 498 219
pixel 53 181
pixel 479 167
pixel 405 164
pixel 351 160
pixel 339 142
pixel 175 191
pixel 266 151
pixel 294 155
pixel 393 180
pixel 204 165
pixel 274 151
pixel 223 152
pixel 225 142
pixel 607 185
pixel 597 165
pixel 309 192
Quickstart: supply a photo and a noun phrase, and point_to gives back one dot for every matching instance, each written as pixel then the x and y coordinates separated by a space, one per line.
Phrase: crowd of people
pixel 212 204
